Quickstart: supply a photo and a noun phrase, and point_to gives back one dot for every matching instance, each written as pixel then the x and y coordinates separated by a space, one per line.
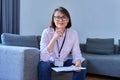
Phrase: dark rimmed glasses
pixel 58 18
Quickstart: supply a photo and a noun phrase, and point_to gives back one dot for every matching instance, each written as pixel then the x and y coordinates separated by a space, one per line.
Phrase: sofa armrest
pixel 116 49
pixel 82 47
pixel 18 63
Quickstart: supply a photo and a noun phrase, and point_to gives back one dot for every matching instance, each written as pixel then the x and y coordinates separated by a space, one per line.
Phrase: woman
pixel 57 42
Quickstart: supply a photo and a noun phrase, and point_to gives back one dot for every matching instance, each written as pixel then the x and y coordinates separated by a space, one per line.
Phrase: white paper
pixel 69 68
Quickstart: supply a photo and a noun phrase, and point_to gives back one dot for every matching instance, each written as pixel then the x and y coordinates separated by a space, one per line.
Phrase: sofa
pixel 19 58
pixel 103 56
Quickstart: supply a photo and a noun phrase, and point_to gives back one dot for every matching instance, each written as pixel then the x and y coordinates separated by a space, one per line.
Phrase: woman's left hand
pixel 78 64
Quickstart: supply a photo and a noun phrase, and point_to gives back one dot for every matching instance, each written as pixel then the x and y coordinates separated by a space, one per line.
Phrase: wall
pixel 91 18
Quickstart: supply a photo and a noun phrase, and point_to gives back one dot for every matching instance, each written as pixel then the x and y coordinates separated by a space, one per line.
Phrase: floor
pixel 98 77
pixel 64 76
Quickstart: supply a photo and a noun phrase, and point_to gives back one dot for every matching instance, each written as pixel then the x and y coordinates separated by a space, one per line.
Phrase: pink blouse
pixel 71 44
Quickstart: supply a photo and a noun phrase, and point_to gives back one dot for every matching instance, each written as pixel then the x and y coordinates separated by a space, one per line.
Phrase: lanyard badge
pixel 59 62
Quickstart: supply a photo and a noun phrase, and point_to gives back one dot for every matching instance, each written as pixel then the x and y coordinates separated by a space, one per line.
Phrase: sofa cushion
pixel 20 40
pixel 100 46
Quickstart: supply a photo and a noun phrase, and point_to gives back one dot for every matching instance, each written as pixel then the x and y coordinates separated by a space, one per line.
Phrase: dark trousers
pixel 45 70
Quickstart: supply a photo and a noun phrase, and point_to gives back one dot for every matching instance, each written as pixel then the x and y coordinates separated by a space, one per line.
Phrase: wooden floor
pixel 98 77
pixel 63 76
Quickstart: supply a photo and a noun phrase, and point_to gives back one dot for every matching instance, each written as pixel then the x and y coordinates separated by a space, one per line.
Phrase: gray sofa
pixel 103 57
pixel 19 58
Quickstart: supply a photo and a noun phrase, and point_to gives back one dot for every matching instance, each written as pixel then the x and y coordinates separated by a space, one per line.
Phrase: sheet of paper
pixel 69 68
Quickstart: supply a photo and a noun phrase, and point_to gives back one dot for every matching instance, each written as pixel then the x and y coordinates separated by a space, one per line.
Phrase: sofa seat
pixel 103 64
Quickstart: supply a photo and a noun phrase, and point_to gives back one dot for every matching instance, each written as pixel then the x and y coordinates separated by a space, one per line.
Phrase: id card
pixel 59 63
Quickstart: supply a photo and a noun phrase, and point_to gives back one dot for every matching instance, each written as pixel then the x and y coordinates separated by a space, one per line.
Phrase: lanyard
pixel 59 49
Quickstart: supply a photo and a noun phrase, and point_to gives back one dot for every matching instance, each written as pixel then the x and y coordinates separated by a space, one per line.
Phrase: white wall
pixel 91 18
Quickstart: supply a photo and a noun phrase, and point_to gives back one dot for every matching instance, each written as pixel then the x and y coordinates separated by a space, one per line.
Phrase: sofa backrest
pixel 20 40
pixel 83 48
pixel 102 46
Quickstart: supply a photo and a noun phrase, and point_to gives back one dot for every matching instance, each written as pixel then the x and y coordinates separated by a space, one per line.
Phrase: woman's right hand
pixel 58 33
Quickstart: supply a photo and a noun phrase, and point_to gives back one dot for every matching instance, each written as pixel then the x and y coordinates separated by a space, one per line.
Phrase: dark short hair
pixel 65 12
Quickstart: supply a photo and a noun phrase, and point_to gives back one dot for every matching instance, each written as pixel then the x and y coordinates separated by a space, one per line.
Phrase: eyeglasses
pixel 63 18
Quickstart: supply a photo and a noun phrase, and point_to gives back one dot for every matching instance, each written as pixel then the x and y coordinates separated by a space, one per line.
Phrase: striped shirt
pixel 71 44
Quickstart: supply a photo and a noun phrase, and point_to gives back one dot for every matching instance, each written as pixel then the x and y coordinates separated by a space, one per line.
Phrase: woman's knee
pixel 44 65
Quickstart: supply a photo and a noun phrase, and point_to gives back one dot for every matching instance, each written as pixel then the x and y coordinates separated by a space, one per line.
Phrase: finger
pixel 77 65
pixel 77 70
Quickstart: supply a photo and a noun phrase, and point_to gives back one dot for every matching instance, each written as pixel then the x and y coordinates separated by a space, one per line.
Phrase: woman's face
pixel 60 20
